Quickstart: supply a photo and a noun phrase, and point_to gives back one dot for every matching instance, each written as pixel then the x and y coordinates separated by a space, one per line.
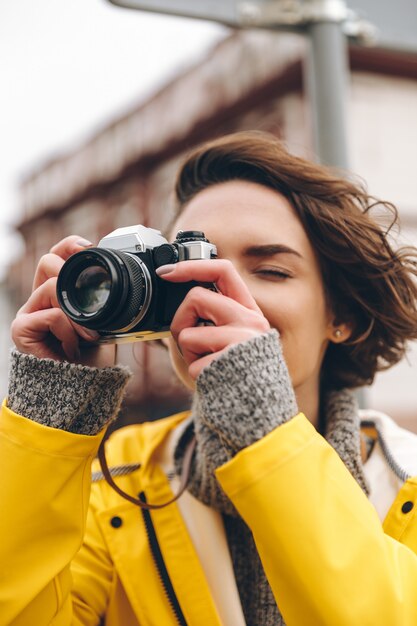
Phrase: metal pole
pixel 327 72
pixel 327 87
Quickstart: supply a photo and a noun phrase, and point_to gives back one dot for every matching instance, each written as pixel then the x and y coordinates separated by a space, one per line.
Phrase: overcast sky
pixel 67 66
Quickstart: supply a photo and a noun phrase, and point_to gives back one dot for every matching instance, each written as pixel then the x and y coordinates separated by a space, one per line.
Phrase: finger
pixel 195 342
pixel 65 333
pixel 69 245
pixel 31 331
pixel 219 271
pixel 50 264
pixel 86 333
pixel 197 367
pixel 44 297
pixel 48 267
pixel 201 303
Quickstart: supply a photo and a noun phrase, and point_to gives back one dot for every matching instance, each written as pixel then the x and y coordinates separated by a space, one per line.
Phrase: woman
pixel 301 528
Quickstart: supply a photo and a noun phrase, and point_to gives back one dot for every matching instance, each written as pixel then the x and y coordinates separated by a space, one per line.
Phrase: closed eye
pixel 273 273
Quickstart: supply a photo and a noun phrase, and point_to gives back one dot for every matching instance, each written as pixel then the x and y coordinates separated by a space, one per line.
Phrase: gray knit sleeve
pixel 75 398
pixel 246 393
pixel 240 397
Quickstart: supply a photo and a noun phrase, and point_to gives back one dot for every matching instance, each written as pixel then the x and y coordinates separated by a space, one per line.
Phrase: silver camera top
pixel 133 239
pixel 194 248
pixel 140 238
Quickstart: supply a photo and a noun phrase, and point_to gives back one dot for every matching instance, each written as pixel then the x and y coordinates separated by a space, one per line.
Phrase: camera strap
pixel 184 478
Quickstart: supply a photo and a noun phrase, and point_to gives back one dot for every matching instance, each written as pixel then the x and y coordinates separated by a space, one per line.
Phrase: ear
pixel 339 332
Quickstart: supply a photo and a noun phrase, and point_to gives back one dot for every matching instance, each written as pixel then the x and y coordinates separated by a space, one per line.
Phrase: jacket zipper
pixel 160 564
pixel 395 467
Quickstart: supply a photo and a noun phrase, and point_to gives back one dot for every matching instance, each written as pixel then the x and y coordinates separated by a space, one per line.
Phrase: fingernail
pixel 84 243
pixel 165 269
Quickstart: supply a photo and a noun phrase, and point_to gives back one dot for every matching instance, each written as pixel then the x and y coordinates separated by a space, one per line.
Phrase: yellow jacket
pixel 325 553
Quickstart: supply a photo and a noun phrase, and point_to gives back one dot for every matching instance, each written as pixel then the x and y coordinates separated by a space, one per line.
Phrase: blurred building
pixel 6 314
pixel 124 173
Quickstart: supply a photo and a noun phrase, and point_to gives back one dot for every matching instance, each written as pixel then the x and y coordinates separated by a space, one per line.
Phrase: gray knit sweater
pixel 250 381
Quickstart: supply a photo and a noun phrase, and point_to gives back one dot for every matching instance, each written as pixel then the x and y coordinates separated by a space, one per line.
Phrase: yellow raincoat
pixel 70 558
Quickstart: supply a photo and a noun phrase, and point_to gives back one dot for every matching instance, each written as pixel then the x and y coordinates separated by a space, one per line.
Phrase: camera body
pixel 114 289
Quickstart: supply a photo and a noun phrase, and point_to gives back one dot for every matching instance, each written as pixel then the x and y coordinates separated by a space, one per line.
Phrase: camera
pixel 114 289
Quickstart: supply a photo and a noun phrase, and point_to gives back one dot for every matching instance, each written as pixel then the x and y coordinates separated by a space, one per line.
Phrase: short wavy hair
pixel 367 282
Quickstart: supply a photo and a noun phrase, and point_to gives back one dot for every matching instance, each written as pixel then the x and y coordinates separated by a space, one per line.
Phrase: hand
pixel 232 310
pixel 41 328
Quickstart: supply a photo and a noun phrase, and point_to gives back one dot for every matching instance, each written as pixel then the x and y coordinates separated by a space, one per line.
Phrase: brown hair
pixel 367 282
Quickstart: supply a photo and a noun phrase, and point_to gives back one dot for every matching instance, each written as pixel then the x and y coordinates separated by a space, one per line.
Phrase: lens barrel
pixel 104 289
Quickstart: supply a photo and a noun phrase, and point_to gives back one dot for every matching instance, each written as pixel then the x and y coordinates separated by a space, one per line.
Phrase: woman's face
pixel 257 229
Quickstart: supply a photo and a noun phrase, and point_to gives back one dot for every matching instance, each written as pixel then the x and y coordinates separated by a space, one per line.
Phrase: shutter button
pixel 407 506
pixel 116 521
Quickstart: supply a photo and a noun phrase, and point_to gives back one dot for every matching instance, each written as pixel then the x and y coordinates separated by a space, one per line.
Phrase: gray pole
pixel 326 75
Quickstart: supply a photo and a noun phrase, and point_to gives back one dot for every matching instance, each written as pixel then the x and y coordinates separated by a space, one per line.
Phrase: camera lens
pixel 92 289
pixel 105 290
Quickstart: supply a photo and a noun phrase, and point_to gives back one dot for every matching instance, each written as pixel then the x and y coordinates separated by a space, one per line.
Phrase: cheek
pixel 295 309
pixel 279 307
pixel 301 321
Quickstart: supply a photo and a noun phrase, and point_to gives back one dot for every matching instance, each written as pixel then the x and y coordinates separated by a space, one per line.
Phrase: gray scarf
pixel 342 433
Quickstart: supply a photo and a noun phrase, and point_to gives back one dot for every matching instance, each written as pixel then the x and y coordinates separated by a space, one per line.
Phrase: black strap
pixel 185 475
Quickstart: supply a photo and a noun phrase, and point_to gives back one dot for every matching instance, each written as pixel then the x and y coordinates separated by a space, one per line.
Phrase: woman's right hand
pixel 41 327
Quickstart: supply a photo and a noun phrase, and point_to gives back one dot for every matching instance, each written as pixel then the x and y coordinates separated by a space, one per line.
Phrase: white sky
pixel 67 66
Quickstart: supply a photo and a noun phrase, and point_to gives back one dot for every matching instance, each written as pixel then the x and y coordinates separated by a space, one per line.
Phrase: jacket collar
pixel 400 443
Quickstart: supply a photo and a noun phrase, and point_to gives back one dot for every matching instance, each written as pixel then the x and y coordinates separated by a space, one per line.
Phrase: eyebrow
pixel 270 250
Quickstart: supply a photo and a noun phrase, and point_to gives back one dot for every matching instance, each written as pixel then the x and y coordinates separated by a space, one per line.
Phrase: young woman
pixel 299 509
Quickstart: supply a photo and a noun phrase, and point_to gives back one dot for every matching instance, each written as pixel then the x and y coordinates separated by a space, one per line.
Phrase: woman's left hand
pixel 232 311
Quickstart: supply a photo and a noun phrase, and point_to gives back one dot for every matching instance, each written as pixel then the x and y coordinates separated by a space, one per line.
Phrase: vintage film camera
pixel 114 289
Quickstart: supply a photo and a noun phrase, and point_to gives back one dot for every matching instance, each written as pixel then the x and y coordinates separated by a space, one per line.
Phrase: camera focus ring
pixel 138 298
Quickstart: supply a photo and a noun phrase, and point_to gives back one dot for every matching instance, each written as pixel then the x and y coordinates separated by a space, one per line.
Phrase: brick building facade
pixel 124 173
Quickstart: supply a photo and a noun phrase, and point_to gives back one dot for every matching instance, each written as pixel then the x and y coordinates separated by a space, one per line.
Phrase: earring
pixel 338 333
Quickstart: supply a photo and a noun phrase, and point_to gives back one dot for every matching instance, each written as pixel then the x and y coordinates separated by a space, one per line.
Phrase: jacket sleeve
pixel 320 540
pixel 45 476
